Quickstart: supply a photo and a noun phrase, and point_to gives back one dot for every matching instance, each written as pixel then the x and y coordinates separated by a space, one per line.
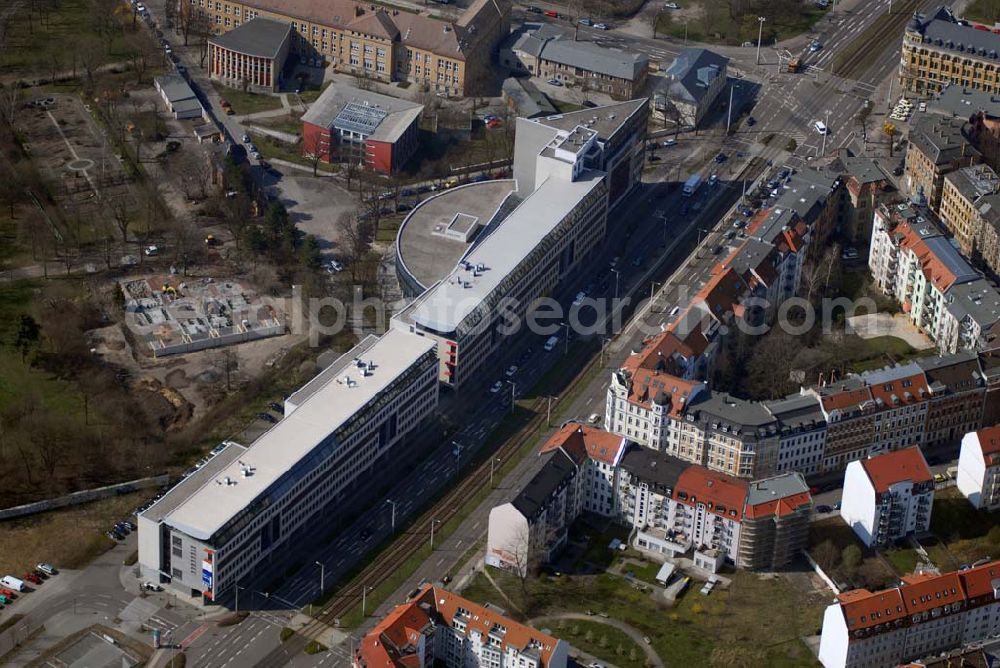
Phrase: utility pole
pixel 729 116
pixel 566 342
pixel 364 598
pixel 393 504
pixel 548 412
pixel 617 274
pixel 652 287
pixel 760 35
pixel 826 131
pixel 513 387
pixel 493 461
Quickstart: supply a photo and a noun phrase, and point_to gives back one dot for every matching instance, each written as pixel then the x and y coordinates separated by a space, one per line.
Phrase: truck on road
pixel 691 185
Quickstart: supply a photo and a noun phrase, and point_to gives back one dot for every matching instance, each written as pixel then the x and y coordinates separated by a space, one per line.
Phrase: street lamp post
pixel 652 288
pixel 548 411
pixel 826 131
pixel 458 455
pixel 494 460
pixel 238 598
pixel 617 274
pixel 433 522
pixel 566 342
pixel 364 598
pixel 393 521
pixel 760 35
pixel 322 577
pixel 729 116
pixel 513 388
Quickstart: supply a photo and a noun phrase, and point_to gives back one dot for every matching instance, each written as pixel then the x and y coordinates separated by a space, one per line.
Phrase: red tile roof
pixel 581 442
pixel 393 640
pixel 901 391
pixel 845 400
pixel 722 293
pixel 919 593
pixel 989 443
pixel 778 507
pixel 897 466
pixel 722 494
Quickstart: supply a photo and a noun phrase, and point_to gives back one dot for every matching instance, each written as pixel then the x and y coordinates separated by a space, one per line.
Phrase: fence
pixel 16 634
pixel 819 571
pixel 84 496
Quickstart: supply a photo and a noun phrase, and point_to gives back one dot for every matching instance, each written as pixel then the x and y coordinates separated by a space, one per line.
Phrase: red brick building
pixel 251 56
pixel 351 125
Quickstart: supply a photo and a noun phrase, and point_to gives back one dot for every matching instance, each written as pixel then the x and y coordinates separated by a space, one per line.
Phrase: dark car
pixel 267 417
pixel 407 192
pixel 745 211
pixel 533 9
pixel 366 534
pixel 654 158
pixel 897 171
pixel 824 509
pixel 721 157
pixel 751 121
pixel 276 407
pixel 588 104
pixel 716 250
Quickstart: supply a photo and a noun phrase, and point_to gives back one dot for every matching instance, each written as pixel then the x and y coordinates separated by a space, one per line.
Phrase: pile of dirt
pixel 164 404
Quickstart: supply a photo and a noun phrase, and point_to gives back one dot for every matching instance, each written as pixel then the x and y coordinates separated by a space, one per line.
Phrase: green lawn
pixel 311 95
pixel 271 148
pixel 970 534
pixel 726 627
pixel 985 11
pixel 247 103
pixel 39 47
pixel 904 560
pixel 292 123
pixel 720 28
pixel 601 640
pixel 564 107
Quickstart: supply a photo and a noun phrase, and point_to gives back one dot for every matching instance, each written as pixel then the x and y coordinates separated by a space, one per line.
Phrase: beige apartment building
pixel 963 193
pixel 938 146
pixel 452 58
pixel 937 50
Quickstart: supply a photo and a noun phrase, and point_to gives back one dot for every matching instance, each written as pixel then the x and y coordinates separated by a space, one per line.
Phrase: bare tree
pixel 122 214
pixel 653 18
pixel 10 102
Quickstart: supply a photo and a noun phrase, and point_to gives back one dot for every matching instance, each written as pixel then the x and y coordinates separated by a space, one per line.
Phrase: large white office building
pixel 217 526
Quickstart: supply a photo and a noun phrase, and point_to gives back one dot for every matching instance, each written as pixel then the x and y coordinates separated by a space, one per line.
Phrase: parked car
pixel 554 82
pixel 276 407
pixel 671 5
pixel 150 586
pixel 496 387
pixel 823 509
pixel 150 251
pixel 511 371
pixel 594 418
pixel 267 417
pixel 32 578
pixel 669 142
pixel 751 121
pixel 585 22
pixel 720 158
pixel 533 9
pixel 602 26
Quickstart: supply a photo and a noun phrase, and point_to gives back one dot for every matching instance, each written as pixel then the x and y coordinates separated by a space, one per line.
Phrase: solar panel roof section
pixel 360 118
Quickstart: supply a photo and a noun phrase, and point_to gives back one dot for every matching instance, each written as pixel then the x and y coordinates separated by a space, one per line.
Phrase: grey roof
pixel 989 209
pixel 952 259
pixel 589 56
pixel 660 471
pixel 942 30
pixel 731 410
pixel 258 37
pixel 955 373
pixel 529 102
pixel 807 192
pixel 605 120
pixel 975 300
pixel 536 494
pixel 962 102
pixel 798 412
pixel 175 88
pixel 974 181
pixel 180 492
pixel 865 170
pixel 693 71
pixel 940 139
pixel 891 373
pixel 550 42
pixel 778 487
pixel 387 118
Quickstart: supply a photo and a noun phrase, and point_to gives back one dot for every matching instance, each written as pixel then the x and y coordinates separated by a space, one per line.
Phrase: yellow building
pixel 368 40
pixel 938 50
pixel 960 201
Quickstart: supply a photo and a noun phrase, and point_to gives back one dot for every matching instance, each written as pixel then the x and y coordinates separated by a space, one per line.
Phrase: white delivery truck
pixel 11 582
pixel 691 185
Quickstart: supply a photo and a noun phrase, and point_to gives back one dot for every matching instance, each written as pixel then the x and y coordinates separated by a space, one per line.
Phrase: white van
pixel 11 582
pixel 820 127
pixel 551 344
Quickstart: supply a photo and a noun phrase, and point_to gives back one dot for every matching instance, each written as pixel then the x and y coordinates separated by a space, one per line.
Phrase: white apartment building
pixel 675 508
pixel 942 294
pixel 979 468
pixel 579 475
pixel 888 496
pixel 439 628
pixel 214 528
pixel 801 433
pixel 925 615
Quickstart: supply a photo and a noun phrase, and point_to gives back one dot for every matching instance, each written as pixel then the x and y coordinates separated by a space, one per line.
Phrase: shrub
pixel 314 648
pixel 286 633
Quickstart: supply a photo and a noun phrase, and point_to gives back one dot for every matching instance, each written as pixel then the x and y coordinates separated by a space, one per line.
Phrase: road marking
pixel 197 633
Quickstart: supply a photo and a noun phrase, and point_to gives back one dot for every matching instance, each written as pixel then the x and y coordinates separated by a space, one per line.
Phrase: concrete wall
pixel 85 496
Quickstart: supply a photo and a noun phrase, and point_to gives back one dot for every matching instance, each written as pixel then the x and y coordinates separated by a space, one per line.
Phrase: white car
pixel 511 371
pixel 150 251
pixel 246 139
pixel 594 418
pixel 671 5
pixel 580 296
pixel 670 142
pixel 554 82
pixel 922 106
pixel 333 267
pixel 496 387
pixel 713 179
pixel 815 46
pixel 820 127
pixel 255 155
pixel 601 26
